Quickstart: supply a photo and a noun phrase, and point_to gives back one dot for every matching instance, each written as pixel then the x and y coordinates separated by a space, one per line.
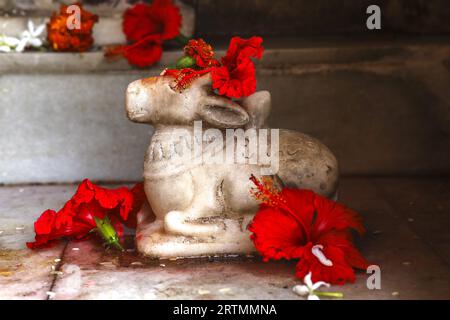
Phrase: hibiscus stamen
pixel 267 193
pixel 318 253
pixel 184 77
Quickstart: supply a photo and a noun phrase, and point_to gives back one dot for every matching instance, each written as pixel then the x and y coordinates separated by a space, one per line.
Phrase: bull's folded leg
pixel 183 223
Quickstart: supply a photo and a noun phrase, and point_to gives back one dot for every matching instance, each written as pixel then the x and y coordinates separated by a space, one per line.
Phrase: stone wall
pixel 383 106
pixel 283 17
pixel 383 109
pixel 326 17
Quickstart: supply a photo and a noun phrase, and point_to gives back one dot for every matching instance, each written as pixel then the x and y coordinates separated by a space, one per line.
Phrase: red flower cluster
pixel 61 38
pixel 202 53
pixel 147 27
pixel 299 224
pixel 77 217
pixel 234 77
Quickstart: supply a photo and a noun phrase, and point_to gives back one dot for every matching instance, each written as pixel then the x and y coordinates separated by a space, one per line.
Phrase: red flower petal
pixel 137 23
pixel 339 273
pixel 108 199
pixel 236 83
pixel 336 216
pixel 129 213
pixel 117 225
pixel 276 235
pixel 240 50
pixel 201 52
pixel 144 55
pixel 85 192
pixel 161 18
pixel 45 223
pixel 236 78
pixel 343 240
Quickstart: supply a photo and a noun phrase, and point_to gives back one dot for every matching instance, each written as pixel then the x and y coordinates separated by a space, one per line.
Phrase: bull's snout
pixel 138 102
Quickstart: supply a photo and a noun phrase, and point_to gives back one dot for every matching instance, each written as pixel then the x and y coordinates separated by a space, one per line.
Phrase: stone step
pixel 107 31
pixel 382 107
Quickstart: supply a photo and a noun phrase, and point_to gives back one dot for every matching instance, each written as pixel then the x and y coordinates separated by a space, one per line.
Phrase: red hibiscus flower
pixel 77 217
pixel 236 78
pixel 147 27
pixel 299 224
pixel 160 17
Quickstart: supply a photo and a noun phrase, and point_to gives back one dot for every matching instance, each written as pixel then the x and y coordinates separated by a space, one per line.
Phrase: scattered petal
pixel 301 290
pixel 203 292
pixel 225 290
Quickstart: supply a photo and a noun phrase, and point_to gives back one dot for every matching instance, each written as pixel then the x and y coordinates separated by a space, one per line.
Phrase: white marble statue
pixel 203 208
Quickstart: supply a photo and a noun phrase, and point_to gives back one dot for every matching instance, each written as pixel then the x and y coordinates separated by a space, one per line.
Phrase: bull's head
pixel 154 101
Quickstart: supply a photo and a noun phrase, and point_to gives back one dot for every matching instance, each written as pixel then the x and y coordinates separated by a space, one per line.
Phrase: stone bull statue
pixel 203 208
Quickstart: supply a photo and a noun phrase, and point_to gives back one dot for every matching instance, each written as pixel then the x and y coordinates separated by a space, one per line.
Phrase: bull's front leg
pixel 203 217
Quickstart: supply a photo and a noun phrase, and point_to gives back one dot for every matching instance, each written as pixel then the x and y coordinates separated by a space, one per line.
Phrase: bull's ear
pixel 221 112
pixel 204 80
pixel 258 107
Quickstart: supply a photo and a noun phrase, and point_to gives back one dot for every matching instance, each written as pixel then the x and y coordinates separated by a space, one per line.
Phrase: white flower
pixel 8 43
pixel 30 37
pixel 308 289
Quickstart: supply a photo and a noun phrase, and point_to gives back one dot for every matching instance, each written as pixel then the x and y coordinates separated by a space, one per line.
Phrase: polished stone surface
pixel 407 221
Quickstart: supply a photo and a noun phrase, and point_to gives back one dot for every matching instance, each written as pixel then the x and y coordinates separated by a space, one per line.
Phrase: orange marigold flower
pixel 61 38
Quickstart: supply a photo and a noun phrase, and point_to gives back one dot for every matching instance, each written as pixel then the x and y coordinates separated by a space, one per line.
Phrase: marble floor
pixel 408 221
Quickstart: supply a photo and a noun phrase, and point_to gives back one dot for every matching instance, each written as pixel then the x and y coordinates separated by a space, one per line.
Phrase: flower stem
pixel 117 245
pixel 108 233
pixel 329 294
